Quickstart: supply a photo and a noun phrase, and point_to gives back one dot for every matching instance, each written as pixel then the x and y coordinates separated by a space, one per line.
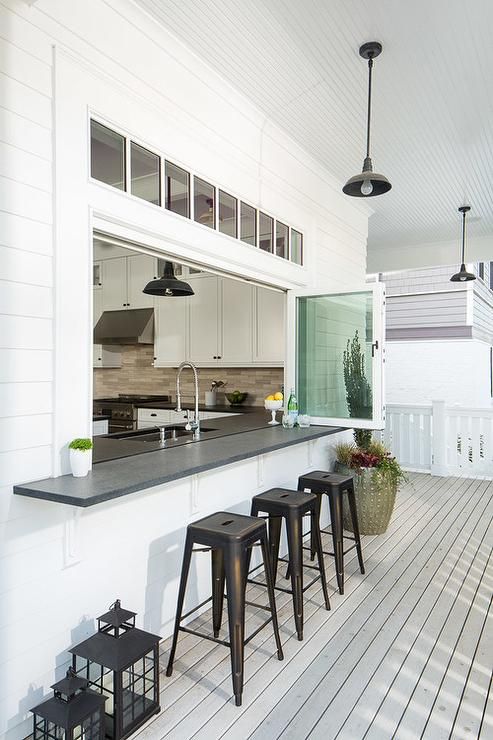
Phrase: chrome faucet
pixel 195 424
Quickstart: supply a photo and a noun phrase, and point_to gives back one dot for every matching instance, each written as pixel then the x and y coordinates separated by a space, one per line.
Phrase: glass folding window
pixel 266 232
pixel 296 247
pixel 177 189
pixel 228 218
pixel 248 224
pixel 107 156
pixel 204 202
pixel 145 178
pixel 282 240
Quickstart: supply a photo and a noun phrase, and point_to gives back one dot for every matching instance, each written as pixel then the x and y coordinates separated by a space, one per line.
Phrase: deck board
pixel 405 653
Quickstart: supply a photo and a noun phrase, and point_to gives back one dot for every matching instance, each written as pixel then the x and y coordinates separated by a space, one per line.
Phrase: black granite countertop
pixel 100 417
pixel 234 439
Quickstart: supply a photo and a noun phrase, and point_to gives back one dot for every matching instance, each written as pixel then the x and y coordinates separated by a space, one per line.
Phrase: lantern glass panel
pixel 46 730
pixel 138 682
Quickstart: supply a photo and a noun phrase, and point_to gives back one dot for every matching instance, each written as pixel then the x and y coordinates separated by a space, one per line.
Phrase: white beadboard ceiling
pixel 432 120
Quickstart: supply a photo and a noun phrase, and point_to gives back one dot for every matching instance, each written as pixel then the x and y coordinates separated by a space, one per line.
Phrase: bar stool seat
pixel 322 482
pixel 279 504
pixel 229 538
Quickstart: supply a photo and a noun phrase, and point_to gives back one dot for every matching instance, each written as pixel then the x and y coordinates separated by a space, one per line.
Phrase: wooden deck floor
pixel 406 652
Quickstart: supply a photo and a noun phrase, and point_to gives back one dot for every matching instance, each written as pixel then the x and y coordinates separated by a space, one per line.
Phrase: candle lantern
pixel 74 713
pixel 121 662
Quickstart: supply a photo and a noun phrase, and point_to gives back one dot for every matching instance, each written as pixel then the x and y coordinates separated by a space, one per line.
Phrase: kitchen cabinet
pixel 220 321
pixel 171 331
pixel 204 339
pixel 155 417
pixel 99 426
pixel 235 322
pixel 226 323
pixel 269 339
pixel 103 355
pixel 123 280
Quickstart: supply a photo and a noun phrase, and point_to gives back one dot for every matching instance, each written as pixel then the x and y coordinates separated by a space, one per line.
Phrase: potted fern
pixel 80 451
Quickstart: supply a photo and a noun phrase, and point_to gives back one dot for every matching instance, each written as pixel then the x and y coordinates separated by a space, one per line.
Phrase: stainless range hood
pixel 134 326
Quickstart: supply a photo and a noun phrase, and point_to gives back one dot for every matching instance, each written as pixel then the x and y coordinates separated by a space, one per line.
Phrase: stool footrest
pixel 227 643
pixel 327 552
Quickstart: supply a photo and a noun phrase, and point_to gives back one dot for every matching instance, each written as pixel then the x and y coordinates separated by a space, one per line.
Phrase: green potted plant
pixel 377 476
pixel 80 451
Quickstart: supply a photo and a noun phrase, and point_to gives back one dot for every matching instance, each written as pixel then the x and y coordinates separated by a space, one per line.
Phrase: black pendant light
pixel 368 183
pixel 168 284
pixel 463 275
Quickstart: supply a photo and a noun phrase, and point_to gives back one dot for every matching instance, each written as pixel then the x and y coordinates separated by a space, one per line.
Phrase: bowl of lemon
pixel 273 403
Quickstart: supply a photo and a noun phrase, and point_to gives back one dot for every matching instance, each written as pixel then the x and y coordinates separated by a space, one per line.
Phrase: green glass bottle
pixel 293 407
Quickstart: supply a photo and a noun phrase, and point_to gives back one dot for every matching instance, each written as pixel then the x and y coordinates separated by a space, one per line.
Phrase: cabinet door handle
pixel 152 414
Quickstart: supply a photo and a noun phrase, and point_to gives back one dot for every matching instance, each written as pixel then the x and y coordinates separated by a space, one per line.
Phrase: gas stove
pixel 122 409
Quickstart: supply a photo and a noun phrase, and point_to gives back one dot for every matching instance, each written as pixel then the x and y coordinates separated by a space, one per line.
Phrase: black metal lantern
pixel 122 662
pixel 74 713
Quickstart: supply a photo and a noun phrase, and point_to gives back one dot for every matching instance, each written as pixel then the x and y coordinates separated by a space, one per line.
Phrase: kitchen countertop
pixel 236 439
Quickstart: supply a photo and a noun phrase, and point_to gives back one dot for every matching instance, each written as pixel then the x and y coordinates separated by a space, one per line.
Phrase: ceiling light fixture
pixel 463 275
pixel 168 284
pixel 368 183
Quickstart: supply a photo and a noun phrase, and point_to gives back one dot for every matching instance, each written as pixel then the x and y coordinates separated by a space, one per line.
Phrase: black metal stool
pixel 334 486
pixel 292 506
pixel 229 537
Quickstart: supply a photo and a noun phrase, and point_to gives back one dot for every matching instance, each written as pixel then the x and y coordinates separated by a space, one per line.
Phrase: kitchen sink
pixel 153 434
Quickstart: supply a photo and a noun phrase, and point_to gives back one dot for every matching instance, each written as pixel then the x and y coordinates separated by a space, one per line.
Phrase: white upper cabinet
pixel 221 321
pixel 140 269
pixel 235 324
pixel 124 279
pixel 204 335
pixel 171 330
pixel 269 340
pixel 103 355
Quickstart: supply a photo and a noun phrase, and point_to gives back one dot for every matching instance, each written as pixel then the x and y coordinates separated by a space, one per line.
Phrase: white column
pixel 438 439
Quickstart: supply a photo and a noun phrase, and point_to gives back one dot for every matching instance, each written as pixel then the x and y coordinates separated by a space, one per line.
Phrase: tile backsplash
pixel 137 375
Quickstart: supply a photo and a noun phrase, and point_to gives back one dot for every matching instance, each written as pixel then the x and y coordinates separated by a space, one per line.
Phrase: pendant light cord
pixel 463 236
pixel 370 68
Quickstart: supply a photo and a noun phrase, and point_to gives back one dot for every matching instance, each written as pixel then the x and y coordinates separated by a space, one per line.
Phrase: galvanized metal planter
pixel 375 499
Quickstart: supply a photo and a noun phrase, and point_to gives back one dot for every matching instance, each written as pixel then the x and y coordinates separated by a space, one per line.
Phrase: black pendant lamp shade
pixel 462 276
pixel 368 183
pixel 168 284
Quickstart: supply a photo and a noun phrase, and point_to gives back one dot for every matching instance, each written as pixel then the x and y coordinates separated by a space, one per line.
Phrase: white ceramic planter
pixel 80 462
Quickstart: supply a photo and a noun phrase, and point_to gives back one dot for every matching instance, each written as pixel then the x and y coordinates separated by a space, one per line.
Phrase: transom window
pixel 122 163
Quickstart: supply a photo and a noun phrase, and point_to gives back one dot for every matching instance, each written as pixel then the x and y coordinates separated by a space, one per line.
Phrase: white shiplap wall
pixel 57 60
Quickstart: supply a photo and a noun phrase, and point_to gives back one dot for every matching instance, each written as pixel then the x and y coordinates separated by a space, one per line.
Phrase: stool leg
pixel 270 592
pixel 235 568
pixel 320 556
pixel 187 556
pixel 274 540
pixel 295 545
pixel 217 567
pixel 335 505
pixel 354 518
pixel 313 542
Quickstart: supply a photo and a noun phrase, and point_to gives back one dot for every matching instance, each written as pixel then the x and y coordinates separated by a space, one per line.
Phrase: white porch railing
pixel 446 440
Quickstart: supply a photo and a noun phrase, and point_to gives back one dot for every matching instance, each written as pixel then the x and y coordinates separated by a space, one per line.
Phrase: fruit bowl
pixel 236 399
pixel 273 406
